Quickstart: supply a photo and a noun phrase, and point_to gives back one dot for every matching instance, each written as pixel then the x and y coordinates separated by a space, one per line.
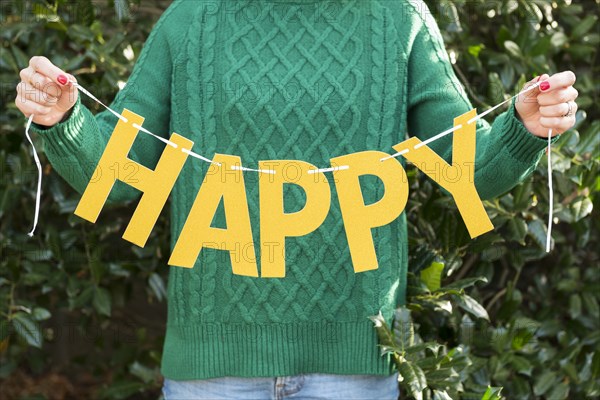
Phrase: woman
pixel 276 80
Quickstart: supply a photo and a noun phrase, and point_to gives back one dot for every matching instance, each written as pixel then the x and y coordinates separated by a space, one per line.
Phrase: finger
pixel 28 107
pixel 558 110
pixel 34 77
pixel 44 66
pixel 531 96
pixel 558 96
pixel 558 81
pixel 558 124
pixel 41 82
pixel 72 79
pixel 29 92
pixel 69 97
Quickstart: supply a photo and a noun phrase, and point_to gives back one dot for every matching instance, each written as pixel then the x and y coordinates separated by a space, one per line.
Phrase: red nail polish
pixel 62 79
pixel 544 86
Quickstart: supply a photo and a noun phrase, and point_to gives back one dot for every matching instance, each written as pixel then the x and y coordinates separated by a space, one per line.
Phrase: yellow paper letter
pixel 219 182
pixel 155 184
pixel 458 178
pixel 275 224
pixel 360 218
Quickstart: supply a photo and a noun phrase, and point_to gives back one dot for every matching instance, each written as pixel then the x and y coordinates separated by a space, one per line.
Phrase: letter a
pixel 463 163
pixel 155 184
pixel 219 182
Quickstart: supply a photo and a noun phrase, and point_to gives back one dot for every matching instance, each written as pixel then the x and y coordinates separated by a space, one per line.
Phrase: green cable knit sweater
pixel 288 79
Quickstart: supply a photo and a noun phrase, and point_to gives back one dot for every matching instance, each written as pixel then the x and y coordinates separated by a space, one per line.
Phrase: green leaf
pixel 559 39
pixel 83 298
pixel 513 49
pixel 584 26
pixel 475 50
pixel 521 364
pixel 581 208
pixel 544 382
pixel 471 305
pixel 432 275
pixel 463 283
pixel 417 348
pixel 537 231
pixel 542 46
pixel 596 365
pixel 27 329
pixel 157 285
pixel 441 395
pixel 384 334
pixel 4 330
pixel 40 314
pixel 121 9
pixel 404 333
pixel 560 391
pixel 413 379
pixel 102 302
pixel 492 393
pixel 20 57
pixel 575 305
pixel 518 229
pixel 143 372
pixel 591 304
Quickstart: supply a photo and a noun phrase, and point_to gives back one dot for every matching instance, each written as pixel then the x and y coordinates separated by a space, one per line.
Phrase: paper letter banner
pixel 224 181
pixel 156 184
pixel 458 178
pixel 275 224
pixel 220 182
pixel 359 218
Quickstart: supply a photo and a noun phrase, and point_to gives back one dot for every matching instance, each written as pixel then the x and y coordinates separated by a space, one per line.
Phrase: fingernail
pixel 62 79
pixel 544 86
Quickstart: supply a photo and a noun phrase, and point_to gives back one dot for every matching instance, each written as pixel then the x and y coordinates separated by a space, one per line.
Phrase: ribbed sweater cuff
pixel 520 143
pixel 65 137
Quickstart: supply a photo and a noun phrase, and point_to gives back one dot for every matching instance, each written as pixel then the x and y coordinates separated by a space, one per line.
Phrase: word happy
pixel 224 181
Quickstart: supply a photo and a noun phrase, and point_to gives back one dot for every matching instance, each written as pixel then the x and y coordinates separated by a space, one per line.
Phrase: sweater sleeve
pixel 506 152
pixel 74 146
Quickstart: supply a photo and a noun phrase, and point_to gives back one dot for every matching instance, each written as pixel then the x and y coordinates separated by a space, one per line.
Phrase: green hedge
pixel 78 303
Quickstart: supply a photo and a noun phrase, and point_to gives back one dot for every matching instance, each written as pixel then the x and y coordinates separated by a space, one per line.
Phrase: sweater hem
pixel 212 350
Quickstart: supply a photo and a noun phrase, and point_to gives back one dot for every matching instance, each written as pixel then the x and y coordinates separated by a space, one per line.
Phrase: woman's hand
pixel 550 106
pixel 45 91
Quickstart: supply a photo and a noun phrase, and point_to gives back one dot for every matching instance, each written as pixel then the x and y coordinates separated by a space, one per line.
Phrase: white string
pixel 141 128
pixel 438 136
pixel 483 114
pixel 198 156
pixel 395 155
pixel 240 168
pixel 39 184
pixel 550 193
pixel 333 169
pixel 453 129
pixel 84 91
pixel 162 139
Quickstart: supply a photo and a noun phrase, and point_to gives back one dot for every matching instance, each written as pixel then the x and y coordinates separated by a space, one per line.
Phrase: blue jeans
pixel 297 387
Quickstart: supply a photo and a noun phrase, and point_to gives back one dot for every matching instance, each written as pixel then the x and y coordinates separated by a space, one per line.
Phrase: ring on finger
pixel 570 111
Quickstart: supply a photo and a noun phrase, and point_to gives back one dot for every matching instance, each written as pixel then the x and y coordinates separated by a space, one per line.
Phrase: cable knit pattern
pixel 276 80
